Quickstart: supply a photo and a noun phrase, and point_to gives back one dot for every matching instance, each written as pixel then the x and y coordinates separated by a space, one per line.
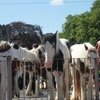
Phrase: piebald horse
pixel 57 59
pixel 84 58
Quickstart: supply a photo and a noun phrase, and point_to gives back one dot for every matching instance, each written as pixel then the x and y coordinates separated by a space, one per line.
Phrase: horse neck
pixel 36 57
pixel 58 44
pixel 61 47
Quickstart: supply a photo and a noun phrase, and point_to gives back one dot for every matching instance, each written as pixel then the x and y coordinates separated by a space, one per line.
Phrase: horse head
pixel 50 43
pixel 92 55
pixel 4 46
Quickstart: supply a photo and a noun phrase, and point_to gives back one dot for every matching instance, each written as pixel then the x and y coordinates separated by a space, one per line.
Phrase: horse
pixel 84 58
pixel 20 57
pixel 57 62
pixel 34 57
pixel 40 71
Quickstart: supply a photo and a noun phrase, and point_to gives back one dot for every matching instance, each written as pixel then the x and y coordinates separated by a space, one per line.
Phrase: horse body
pixel 84 56
pixel 57 55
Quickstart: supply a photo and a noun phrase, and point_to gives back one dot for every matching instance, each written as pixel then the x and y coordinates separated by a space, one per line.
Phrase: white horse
pixel 57 59
pixel 83 61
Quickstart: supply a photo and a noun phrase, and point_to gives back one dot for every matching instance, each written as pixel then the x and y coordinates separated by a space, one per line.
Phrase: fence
pixel 40 93
pixel 5 78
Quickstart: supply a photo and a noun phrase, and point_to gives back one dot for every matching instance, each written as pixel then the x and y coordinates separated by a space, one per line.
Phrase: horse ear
pixel 57 40
pixel 86 48
pixel 56 32
pixel 56 35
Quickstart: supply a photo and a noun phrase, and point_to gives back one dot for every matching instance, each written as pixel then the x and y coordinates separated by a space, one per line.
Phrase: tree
pixel 25 34
pixel 84 27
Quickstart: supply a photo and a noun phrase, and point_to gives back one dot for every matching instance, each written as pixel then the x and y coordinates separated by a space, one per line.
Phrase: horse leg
pixel 33 84
pixel 76 93
pixel 37 85
pixel 28 90
pixel 66 79
pixel 50 85
pixel 59 82
pixel 44 84
pixel 78 86
pixel 16 87
pixel 73 74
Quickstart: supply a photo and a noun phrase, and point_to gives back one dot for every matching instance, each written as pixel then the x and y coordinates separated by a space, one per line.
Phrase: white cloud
pixel 57 2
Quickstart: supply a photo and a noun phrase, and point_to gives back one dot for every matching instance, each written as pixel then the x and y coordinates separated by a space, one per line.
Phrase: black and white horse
pixel 57 59
pixel 84 58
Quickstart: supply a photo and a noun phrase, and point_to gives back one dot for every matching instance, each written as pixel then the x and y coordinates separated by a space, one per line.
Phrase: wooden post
pixel 0 79
pixel 9 78
pixel 97 79
pixel 3 79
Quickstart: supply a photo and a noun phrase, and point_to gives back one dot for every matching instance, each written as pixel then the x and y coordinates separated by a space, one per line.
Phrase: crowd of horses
pixel 62 66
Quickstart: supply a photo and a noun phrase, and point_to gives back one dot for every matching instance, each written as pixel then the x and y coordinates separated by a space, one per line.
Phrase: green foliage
pixel 84 27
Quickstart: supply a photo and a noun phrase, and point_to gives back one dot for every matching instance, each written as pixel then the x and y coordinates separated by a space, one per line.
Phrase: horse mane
pixel 57 42
pixel 26 54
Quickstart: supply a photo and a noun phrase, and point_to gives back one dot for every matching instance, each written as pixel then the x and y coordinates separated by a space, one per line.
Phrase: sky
pixel 49 14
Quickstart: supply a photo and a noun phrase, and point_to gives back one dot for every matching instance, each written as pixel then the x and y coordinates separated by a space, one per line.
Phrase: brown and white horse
pixel 83 62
